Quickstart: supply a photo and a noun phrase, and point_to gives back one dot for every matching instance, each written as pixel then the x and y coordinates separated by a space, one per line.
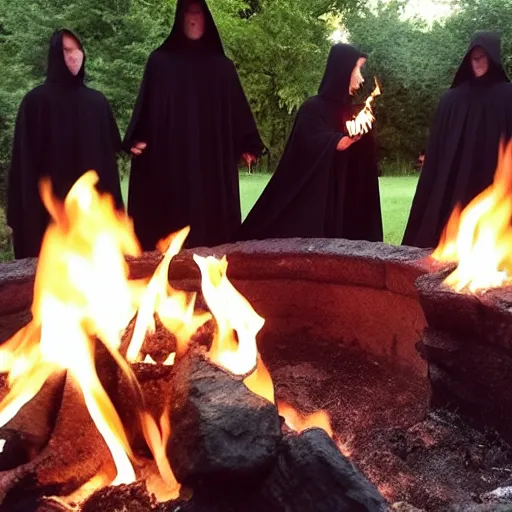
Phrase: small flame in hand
pixel 363 122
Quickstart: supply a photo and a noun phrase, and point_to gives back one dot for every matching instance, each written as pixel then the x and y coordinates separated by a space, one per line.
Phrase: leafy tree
pixel 279 48
pixel 416 63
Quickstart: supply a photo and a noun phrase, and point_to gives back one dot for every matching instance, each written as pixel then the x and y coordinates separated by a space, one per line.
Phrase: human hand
pixel 138 148
pixel 249 159
pixel 346 142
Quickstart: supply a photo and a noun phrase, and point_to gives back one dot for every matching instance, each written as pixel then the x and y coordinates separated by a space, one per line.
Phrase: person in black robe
pixel 63 129
pixel 190 127
pixel 462 153
pixel 326 184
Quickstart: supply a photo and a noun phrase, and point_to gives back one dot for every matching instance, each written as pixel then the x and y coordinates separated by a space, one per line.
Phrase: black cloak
pixel 193 114
pixel 63 129
pixel 316 190
pixel 462 153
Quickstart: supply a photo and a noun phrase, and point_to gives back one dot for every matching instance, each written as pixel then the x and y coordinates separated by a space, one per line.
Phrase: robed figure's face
pixel 356 78
pixel 73 54
pixel 479 62
pixel 194 21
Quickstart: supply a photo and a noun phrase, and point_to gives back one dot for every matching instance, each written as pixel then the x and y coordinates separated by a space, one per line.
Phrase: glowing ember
pixel 300 422
pixel 363 122
pixel 260 381
pixel 479 238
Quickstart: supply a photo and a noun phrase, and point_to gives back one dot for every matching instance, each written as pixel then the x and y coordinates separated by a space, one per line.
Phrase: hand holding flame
pixel 363 122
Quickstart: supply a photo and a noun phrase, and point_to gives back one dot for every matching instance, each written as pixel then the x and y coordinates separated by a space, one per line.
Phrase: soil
pixel 380 417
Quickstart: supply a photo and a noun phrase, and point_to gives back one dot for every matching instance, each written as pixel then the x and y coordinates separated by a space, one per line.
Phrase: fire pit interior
pixel 342 335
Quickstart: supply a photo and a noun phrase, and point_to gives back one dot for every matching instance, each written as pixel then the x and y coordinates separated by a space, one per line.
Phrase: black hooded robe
pixel 316 190
pixel 193 114
pixel 63 129
pixel 471 119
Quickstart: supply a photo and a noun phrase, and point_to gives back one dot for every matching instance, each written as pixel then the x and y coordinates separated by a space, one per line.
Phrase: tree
pixel 416 63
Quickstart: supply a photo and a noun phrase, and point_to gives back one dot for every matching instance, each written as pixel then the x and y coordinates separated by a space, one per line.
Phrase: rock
pixel 502 495
pixel 126 498
pixel 405 507
pixel 222 433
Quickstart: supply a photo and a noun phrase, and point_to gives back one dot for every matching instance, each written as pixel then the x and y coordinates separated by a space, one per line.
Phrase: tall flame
pixel 174 308
pixel 234 346
pixel 157 437
pixel 81 293
pixel 232 312
pixel 363 122
pixel 479 237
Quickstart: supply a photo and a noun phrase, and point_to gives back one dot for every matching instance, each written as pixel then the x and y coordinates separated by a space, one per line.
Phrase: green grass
pixel 5 242
pixel 396 196
pixel 251 186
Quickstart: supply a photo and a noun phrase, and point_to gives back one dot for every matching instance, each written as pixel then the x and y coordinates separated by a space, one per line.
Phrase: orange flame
pixel 300 422
pixel 237 353
pixel 260 381
pixel 363 122
pixel 479 238
pixel 81 293
pixel 232 312
pixel 157 437
pixel 174 308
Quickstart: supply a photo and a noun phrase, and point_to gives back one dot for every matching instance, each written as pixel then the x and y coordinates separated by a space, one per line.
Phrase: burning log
pixel 222 433
pixel 155 385
pixel 313 475
pixel 310 475
pixel 74 454
pixel 129 498
pixel 29 431
pixel 227 445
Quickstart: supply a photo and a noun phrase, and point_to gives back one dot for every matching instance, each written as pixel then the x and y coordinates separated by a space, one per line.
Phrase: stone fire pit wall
pixel 468 346
pixel 358 294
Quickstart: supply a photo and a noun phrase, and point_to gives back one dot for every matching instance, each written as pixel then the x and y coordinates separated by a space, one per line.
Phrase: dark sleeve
pixel 315 131
pixel 137 128
pixel 26 154
pixel 248 139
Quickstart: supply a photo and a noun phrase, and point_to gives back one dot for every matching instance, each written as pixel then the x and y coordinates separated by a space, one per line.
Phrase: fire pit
pixel 340 354
pixel 342 323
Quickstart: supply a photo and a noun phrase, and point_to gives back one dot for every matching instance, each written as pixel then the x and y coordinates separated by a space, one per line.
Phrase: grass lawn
pixel 396 196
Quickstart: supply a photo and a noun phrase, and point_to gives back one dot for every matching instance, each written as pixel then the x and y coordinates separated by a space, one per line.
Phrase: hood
pixel 491 44
pixel 178 42
pixel 57 71
pixel 340 64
